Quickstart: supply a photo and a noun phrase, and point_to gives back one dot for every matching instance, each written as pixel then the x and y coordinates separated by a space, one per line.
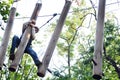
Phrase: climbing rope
pixel 55 14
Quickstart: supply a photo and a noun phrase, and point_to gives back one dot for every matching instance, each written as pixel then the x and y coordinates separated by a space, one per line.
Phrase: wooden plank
pixel 26 36
pixel 98 48
pixel 53 41
pixel 6 36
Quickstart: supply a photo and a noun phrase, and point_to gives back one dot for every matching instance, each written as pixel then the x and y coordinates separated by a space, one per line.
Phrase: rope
pixel 55 14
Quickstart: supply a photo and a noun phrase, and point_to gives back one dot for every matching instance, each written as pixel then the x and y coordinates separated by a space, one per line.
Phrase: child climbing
pixel 16 41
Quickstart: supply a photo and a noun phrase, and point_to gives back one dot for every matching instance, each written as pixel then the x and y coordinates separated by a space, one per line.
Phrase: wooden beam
pixel 26 36
pixel 53 41
pixel 98 48
pixel 6 36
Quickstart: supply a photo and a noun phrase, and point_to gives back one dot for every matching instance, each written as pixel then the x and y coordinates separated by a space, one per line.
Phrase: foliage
pixel 4 9
pixel 27 71
pixel 112 41
pixel 82 68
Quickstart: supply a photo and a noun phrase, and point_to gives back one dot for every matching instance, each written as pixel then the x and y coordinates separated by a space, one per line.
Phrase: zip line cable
pixel 40 16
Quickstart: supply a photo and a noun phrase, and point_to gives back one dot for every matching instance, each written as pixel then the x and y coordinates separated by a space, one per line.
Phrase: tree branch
pixel 112 62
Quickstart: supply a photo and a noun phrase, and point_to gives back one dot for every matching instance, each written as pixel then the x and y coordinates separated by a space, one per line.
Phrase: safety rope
pixel 55 14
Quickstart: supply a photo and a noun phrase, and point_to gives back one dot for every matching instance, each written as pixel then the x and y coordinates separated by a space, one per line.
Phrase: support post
pixel 24 40
pixel 48 54
pixel 6 36
pixel 98 48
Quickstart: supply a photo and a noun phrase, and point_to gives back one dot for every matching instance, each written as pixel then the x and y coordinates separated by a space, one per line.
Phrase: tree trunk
pixel 98 49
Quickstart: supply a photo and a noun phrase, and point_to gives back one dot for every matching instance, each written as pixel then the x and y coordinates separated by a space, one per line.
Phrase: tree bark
pixel 98 49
